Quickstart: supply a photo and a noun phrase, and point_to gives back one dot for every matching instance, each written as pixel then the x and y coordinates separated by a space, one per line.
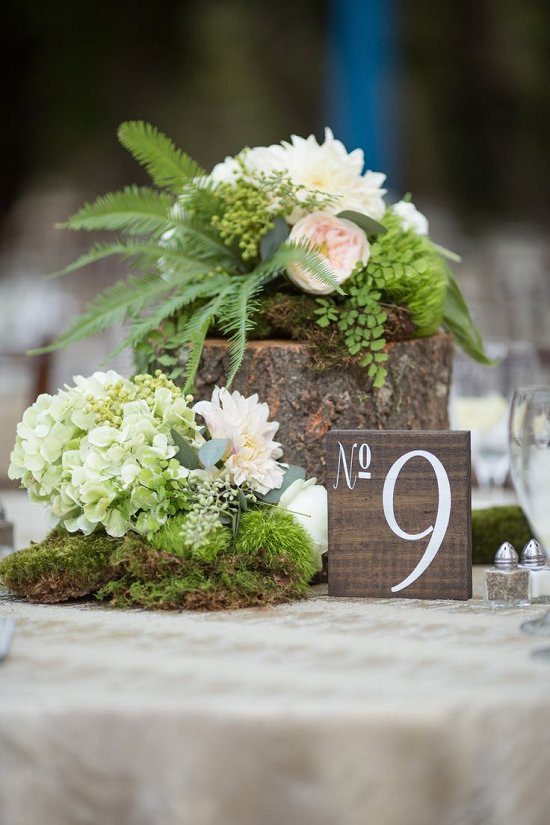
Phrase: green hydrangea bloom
pixel 102 452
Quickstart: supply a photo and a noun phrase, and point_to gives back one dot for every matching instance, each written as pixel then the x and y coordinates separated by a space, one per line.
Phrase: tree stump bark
pixel 308 403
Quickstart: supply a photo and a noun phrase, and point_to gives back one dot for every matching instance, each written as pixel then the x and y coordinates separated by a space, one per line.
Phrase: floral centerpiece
pixel 278 238
pixel 157 503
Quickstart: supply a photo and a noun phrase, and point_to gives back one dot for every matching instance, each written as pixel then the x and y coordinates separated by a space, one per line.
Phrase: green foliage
pixel 192 280
pixel 248 210
pixel 170 539
pixel 168 167
pixel 405 269
pixel 457 320
pixel 410 271
pixel 64 566
pixel 137 210
pixel 272 561
pixel 274 538
pixel 492 526
pixel 360 318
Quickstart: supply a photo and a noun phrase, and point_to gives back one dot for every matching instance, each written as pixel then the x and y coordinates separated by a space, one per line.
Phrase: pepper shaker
pixel 533 559
pixel 507 585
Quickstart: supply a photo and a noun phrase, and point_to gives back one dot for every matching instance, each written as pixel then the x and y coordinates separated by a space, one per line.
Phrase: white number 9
pixel 442 519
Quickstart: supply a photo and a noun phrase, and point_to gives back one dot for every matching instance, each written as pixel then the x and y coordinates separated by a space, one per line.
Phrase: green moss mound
pixel 271 562
pixel 64 566
pixel 494 525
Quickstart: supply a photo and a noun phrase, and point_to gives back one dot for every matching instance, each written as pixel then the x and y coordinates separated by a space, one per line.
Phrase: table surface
pixel 322 711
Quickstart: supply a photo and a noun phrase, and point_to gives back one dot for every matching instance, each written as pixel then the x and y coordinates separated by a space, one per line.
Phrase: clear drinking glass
pixel 533 465
pixel 479 403
pixel 518 406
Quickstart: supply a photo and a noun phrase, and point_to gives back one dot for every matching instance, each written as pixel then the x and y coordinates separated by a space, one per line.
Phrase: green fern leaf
pixel 196 329
pixel 183 297
pixel 147 253
pixel 301 254
pixel 199 239
pixel 96 253
pixel 168 166
pixel 136 210
pixel 111 307
pixel 237 319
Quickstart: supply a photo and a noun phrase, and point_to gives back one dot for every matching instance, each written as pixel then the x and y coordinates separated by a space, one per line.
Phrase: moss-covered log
pixel 308 401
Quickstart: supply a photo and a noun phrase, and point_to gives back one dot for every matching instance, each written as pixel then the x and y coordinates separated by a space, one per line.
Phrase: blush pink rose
pixel 342 243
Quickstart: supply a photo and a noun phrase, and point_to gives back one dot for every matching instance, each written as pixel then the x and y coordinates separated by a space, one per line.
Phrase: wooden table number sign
pixel 399 514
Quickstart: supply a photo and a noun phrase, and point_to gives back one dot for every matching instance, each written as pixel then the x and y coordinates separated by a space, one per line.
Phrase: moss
pixel 494 525
pixel 64 566
pixel 274 540
pixel 169 538
pixel 272 562
pixel 290 316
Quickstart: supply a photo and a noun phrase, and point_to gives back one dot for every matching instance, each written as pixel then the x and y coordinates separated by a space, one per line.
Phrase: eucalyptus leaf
pixel 243 503
pixel 292 474
pixel 235 522
pixel 212 451
pixel 185 454
pixel 364 222
pixel 273 239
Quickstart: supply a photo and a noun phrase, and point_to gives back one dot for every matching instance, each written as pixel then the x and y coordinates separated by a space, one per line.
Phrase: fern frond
pixel 111 307
pixel 302 255
pixel 196 329
pixel 96 253
pixel 195 347
pixel 140 327
pixel 200 239
pixel 238 312
pixel 137 210
pixel 168 166
pixel 202 197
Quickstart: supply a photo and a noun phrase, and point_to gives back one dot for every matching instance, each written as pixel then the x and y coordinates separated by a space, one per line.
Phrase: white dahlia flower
pixel 252 452
pixel 317 167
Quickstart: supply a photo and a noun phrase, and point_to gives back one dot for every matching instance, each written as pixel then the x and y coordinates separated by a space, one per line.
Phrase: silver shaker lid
pixel 506 557
pixel 532 555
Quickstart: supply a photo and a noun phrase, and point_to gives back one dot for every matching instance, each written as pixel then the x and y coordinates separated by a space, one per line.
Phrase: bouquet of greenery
pixel 297 224
pixel 151 508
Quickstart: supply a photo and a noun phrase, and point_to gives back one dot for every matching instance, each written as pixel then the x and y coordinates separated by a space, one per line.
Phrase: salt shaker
pixel 534 560
pixel 506 584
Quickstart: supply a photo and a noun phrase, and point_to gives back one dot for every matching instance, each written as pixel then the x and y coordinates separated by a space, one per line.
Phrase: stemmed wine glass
pixel 479 402
pixel 532 461
pixel 518 406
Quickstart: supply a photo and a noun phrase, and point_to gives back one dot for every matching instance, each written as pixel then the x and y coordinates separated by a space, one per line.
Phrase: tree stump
pixel 308 403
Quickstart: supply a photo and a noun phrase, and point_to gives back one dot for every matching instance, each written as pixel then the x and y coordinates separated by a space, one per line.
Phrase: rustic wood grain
pixel 366 558
pixel 308 404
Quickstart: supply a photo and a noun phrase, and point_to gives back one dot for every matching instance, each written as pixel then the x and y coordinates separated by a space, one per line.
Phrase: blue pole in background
pixel 362 104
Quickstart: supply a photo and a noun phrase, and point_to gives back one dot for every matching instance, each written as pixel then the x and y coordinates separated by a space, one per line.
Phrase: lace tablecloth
pixel 320 712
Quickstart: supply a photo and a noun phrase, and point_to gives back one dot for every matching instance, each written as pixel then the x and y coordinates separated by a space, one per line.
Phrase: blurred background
pixel 449 99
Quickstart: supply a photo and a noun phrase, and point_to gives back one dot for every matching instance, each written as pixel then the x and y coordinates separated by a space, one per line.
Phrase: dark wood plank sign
pixel 399 514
